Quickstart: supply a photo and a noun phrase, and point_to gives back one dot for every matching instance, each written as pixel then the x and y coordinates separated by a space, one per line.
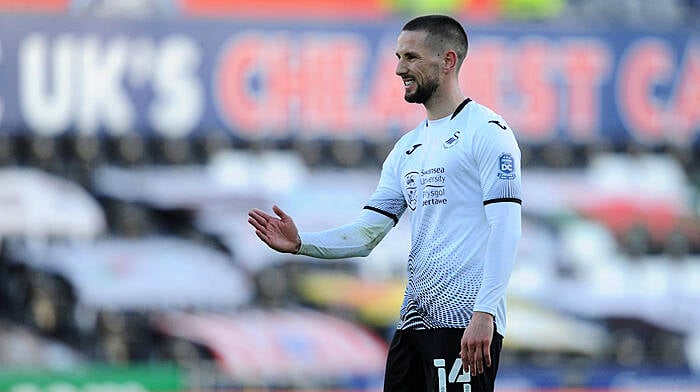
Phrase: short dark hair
pixel 444 32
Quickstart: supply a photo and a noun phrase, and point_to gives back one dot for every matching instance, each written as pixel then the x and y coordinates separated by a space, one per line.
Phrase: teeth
pixel 407 82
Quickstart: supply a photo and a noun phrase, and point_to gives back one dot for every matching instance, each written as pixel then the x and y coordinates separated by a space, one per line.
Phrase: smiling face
pixel 418 66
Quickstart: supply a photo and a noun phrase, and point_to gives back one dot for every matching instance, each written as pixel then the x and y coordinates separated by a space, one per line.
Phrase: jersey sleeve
pixel 355 239
pixel 501 248
pixel 388 198
pixel 498 160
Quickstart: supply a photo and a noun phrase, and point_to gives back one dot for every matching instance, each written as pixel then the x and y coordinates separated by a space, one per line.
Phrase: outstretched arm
pixel 355 239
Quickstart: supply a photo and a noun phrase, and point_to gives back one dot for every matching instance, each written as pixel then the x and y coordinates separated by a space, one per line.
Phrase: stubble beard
pixel 423 92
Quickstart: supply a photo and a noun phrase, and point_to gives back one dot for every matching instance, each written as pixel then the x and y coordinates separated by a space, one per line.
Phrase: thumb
pixel 278 211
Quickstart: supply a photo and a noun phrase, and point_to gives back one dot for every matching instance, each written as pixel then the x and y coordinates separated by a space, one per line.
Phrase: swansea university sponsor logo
pixel 457 375
pixel 411 183
pixel 431 183
pixel 506 166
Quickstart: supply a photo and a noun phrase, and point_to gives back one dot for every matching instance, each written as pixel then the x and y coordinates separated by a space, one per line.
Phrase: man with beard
pixel 458 174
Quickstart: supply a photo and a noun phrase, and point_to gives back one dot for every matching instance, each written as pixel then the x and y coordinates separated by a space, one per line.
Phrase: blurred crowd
pixel 631 287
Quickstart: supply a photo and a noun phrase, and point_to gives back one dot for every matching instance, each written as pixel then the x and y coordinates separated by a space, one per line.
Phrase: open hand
pixel 280 234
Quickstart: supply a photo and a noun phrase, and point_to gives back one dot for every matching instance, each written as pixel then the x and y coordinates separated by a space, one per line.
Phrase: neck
pixel 444 103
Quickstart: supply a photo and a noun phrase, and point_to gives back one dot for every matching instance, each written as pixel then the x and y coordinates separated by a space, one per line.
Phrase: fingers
pixel 260 216
pixel 487 355
pixel 475 354
pixel 477 365
pixel 280 213
pixel 260 227
pixel 464 355
pixel 262 237
pixel 467 354
pixel 258 220
pixel 473 360
pixel 471 355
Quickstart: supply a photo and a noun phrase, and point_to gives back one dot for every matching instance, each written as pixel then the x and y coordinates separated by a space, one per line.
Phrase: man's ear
pixel 450 60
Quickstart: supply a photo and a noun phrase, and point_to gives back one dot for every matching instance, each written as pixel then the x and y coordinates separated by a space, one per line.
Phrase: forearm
pixel 356 239
pixel 505 231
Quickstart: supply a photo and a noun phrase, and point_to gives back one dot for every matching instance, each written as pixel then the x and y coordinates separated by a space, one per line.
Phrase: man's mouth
pixel 408 82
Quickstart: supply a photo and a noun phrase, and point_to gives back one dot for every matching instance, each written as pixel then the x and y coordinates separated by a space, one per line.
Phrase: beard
pixel 423 91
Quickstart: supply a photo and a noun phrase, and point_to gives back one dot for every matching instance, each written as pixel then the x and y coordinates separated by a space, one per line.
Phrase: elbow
pixel 366 250
pixel 373 239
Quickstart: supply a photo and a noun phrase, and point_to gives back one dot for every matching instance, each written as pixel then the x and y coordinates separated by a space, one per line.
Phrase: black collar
pixel 456 112
pixel 460 107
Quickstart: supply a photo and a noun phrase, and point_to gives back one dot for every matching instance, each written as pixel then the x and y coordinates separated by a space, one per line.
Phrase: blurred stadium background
pixel 135 135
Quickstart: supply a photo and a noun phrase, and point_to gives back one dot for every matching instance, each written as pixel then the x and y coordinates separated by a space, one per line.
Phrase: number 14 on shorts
pixel 457 375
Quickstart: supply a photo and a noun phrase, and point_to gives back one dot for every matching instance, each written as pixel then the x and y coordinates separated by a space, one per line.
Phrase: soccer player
pixel 458 175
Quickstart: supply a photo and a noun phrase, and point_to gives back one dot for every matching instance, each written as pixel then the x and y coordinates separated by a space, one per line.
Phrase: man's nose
pixel 400 68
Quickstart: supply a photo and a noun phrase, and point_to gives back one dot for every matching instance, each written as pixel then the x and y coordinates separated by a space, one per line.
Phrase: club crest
pixel 452 140
pixel 411 185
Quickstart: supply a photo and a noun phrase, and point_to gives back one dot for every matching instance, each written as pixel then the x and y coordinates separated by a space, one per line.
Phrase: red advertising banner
pixel 43 6
pixel 274 80
pixel 299 9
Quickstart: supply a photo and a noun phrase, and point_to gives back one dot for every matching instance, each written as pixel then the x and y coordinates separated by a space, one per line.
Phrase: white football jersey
pixel 444 172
